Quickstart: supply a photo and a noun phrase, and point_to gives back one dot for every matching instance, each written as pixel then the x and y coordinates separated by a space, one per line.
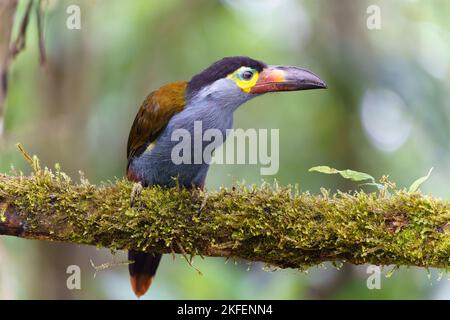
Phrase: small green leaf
pixel 379 186
pixel 323 169
pixel 355 175
pixel 416 184
pixel 347 174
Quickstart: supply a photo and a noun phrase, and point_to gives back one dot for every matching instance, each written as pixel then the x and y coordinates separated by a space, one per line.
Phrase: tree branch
pixel 278 226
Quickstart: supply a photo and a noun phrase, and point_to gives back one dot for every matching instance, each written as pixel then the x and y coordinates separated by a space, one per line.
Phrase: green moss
pixel 279 226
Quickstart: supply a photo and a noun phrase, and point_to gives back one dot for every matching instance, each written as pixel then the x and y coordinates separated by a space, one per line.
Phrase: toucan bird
pixel 211 97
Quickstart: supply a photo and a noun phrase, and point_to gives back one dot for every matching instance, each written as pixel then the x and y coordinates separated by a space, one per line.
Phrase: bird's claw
pixel 137 189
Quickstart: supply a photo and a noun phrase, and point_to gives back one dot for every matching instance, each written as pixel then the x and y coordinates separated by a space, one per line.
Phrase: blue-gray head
pixel 231 81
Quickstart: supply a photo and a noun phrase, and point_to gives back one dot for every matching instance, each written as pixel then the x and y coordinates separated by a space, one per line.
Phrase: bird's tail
pixel 142 270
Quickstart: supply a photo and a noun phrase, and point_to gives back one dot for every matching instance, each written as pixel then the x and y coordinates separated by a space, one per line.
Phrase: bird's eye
pixel 247 75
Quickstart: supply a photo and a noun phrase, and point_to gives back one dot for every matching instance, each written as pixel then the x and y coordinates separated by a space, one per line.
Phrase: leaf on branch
pixel 416 184
pixel 346 174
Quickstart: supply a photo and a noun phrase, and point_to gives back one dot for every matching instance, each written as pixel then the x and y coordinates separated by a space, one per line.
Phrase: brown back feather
pixel 153 115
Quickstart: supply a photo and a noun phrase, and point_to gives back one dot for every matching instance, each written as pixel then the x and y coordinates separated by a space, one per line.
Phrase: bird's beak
pixel 281 78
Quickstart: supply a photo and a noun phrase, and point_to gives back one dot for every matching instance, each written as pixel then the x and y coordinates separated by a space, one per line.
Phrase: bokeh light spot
pixel 385 120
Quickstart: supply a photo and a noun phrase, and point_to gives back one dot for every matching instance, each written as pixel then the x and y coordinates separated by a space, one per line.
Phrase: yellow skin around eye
pixel 245 85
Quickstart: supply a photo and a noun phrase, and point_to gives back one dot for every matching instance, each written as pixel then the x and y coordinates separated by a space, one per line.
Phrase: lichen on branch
pixel 276 225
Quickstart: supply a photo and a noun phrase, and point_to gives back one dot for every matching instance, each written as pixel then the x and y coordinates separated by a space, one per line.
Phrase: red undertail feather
pixel 140 284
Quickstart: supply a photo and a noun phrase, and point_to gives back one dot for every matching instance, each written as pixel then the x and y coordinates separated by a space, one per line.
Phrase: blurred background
pixel 386 111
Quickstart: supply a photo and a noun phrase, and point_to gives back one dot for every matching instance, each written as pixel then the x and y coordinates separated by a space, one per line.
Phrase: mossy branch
pixel 279 226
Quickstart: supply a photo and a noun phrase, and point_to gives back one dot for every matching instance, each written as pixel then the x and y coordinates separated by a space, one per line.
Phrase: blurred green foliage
pixel 386 112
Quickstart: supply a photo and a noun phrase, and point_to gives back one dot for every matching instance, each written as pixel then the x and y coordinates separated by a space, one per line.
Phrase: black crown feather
pixel 220 69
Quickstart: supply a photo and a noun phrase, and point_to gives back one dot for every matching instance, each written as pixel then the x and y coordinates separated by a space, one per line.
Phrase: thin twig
pixel 40 31
pixel 20 43
pixel 25 154
pixel 185 256
pixel 108 265
pixel 7 13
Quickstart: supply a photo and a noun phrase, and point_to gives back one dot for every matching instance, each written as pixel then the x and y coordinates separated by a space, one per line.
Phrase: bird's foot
pixel 135 193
